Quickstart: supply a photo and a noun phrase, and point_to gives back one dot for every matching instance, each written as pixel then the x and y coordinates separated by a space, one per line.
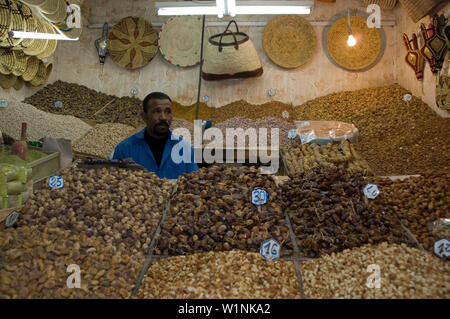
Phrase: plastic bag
pixel 325 132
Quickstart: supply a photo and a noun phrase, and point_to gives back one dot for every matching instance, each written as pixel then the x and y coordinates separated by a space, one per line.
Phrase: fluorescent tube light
pixel 220 6
pixel 37 35
pixel 188 8
pixel 272 10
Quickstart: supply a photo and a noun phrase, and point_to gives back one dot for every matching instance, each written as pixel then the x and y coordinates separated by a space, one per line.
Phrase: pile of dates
pixel 212 211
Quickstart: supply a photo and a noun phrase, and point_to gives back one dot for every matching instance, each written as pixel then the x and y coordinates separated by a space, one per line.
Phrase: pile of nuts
pixel 102 139
pixel 229 275
pixel 35 262
pixel 411 133
pixel 120 206
pixel 419 202
pixel 303 157
pixel 212 211
pixel 252 111
pixel 330 213
pixel 266 122
pixel 404 272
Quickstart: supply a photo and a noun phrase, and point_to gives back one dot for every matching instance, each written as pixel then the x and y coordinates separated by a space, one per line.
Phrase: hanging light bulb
pixel 351 42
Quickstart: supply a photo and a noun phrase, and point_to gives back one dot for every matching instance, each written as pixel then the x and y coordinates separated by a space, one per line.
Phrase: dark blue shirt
pixel 174 162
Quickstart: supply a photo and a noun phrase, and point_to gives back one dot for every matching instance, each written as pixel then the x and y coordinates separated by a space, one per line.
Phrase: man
pixel 152 147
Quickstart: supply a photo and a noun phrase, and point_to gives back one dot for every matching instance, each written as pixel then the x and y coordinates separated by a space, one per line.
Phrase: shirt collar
pixel 141 134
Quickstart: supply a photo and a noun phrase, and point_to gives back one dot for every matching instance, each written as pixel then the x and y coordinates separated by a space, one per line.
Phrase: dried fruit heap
pixel 330 213
pixel 212 211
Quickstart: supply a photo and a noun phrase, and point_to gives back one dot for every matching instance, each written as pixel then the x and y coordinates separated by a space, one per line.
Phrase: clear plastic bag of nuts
pixel 440 228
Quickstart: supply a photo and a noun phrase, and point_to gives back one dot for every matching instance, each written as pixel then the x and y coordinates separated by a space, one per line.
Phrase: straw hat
pixel 31 69
pixel 7 81
pixel 5 19
pixel 17 22
pixel 59 15
pixel 32 25
pixel 20 63
pixel 6 61
pixel 132 43
pixel 45 69
pixel 179 40
pixel 51 45
pixel 365 54
pixel 33 2
pixel 49 6
pixel 417 9
pixel 18 84
pixel 289 41
pixel 37 46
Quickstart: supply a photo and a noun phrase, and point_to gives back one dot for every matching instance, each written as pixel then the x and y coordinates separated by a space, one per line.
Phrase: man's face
pixel 158 117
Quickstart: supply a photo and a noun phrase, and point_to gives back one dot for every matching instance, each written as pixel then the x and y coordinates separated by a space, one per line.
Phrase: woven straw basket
pixel 132 43
pixel 18 84
pixel 59 15
pixel 17 22
pixel 49 6
pixel 37 46
pixel 231 55
pixel 6 61
pixel 45 69
pixel 51 44
pixel 417 9
pixel 384 4
pixel 20 63
pixel 7 81
pixel 32 26
pixel 32 69
pixel 5 19
pixel 289 41
pixel 180 40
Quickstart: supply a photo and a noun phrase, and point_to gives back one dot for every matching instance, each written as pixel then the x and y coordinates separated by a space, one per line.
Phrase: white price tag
pixel 270 250
pixel 292 134
pixel 285 114
pixel 407 98
pixel 58 104
pixel 3 102
pixel 11 219
pixel 371 191
pixel 56 182
pixel 134 91
pixel 259 197
pixel 441 248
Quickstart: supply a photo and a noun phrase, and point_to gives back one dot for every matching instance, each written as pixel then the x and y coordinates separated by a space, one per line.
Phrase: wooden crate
pixel 45 167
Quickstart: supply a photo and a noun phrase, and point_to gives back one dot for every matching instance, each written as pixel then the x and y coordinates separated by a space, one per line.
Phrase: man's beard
pixel 159 133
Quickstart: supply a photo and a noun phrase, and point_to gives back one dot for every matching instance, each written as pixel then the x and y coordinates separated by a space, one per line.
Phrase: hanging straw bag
pixel 417 9
pixel 230 55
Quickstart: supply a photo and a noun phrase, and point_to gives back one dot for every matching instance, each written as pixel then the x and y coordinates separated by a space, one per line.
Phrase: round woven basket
pixel 32 69
pixel 417 9
pixel 40 75
pixel 59 15
pixel 289 41
pixel 20 63
pixel 5 19
pixel 51 44
pixel 132 43
pixel 179 40
pixel 365 54
pixel 33 2
pixel 37 46
pixel 7 81
pixel 7 61
pixel 49 6
pixel 18 84
pixel 32 26
pixel 17 22
pixel 384 4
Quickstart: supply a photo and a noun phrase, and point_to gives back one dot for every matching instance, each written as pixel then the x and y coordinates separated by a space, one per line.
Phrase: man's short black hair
pixel 154 95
